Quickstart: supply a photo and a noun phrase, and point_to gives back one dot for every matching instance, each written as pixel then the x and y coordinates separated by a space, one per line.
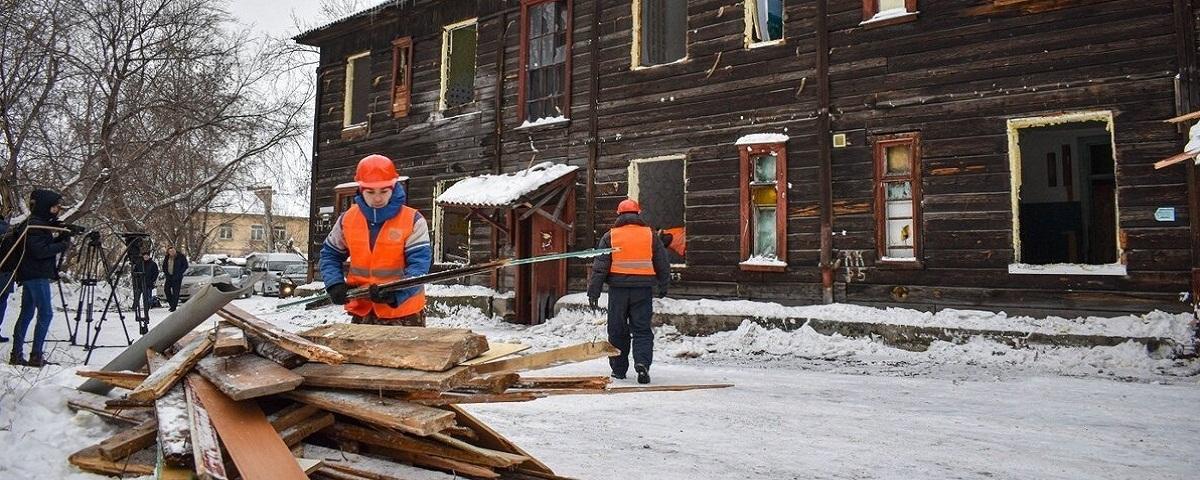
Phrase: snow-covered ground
pixel 804 406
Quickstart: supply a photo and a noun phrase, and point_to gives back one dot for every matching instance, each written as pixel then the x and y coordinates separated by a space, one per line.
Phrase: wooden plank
pixel 381 411
pixel 432 349
pixel 174 424
pixel 460 451
pixel 89 460
pixel 230 341
pixel 281 338
pixel 638 389
pixel 441 463
pixel 349 469
pixel 366 377
pixel 455 399
pixel 291 416
pixel 128 441
pixel 248 376
pixel 590 382
pixel 206 449
pixel 497 351
pixel 492 382
pixel 272 352
pixel 1184 118
pixel 489 438
pixel 124 379
pixel 550 358
pixel 91 402
pixel 172 371
pixel 310 465
pixel 295 434
pixel 1173 159
pixel 256 448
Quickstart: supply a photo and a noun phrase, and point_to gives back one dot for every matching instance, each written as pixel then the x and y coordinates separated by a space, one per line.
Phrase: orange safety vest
pixel 635 254
pixel 382 264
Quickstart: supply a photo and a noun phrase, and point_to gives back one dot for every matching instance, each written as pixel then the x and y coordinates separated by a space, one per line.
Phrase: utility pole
pixel 264 194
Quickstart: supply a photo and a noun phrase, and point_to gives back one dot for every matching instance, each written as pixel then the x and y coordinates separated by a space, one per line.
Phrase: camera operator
pixel 37 268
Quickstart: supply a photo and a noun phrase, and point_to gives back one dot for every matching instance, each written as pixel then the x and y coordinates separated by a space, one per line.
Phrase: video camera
pixel 75 229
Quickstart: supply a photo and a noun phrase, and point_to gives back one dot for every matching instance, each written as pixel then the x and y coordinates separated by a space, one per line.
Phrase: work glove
pixel 337 293
pixel 594 302
pixel 379 296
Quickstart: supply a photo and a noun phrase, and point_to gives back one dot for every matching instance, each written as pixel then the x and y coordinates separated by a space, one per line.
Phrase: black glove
pixel 379 296
pixel 337 293
pixel 593 302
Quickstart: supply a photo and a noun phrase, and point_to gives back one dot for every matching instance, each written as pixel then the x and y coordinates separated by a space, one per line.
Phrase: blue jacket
pixel 418 255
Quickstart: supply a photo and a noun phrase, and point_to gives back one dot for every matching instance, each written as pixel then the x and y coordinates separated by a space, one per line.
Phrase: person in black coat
pixel 173 266
pixel 38 265
pixel 145 273
pixel 6 280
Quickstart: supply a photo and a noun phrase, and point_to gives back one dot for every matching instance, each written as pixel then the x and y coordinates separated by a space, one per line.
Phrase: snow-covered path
pixel 804 406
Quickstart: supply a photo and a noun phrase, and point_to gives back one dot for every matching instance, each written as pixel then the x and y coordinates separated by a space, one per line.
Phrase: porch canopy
pixel 539 190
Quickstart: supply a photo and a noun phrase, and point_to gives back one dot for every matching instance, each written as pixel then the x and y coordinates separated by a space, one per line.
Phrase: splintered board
pixel 254 445
pixel 430 349
pixel 248 376
pixel 376 410
pixel 366 377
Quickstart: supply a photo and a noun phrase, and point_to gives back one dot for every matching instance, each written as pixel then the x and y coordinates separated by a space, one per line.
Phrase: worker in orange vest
pixel 385 240
pixel 639 264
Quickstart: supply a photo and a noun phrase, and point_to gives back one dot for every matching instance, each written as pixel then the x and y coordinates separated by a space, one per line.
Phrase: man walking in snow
pixel 37 267
pixel 385 240
pixel 639 264
pixel 173 266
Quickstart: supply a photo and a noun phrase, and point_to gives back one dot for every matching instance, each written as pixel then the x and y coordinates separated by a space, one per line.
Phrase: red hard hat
pixel 376 171
pixel 628 206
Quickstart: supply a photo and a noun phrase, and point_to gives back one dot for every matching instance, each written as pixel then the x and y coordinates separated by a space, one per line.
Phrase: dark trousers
pixel 35 295
pixel 414 320
pixel 172 290
pixel 629 314
pixel 6 287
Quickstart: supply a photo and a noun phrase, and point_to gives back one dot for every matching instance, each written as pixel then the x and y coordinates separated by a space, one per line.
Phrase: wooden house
pixel 987 154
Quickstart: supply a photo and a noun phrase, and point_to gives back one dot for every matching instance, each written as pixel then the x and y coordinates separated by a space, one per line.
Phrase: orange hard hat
pixel 376 171
pixel 628 205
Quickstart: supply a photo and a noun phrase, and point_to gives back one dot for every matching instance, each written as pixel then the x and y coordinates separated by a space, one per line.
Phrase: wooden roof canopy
pixel 548 200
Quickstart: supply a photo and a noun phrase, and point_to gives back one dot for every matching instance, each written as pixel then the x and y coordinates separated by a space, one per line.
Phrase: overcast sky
pixel 275 16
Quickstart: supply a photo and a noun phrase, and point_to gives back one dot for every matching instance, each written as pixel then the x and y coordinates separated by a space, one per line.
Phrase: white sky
pixel 275 16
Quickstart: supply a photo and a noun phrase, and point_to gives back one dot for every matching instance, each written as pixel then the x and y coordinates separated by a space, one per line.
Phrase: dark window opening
pixel 546 53
pixel 458 75
pixel 663 31
pixel 358 89
pixel 659 190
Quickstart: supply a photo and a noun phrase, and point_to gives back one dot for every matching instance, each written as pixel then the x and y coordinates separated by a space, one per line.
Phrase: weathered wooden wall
pixel 956 75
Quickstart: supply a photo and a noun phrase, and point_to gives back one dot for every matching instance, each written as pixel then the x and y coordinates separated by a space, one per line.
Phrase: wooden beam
pixel 440 463
pixel 489 438
pixel 432 349
pixel 91 402
pixel 174 425
pixel 172 371
pixel 491 382
pixel 291 416
pixel 550 358
pixel 206 449
pixel 1184 118
pixel 497 351
pixel 310 465
pixel 248 376
pixel 256 448
pixel 455 399
pixel 639 389
pixel 459 450
pixel 270 351
pixel 382 411
pixel 533 207
pixel 358 472
pixel 592 382
pixel 123 379
pixel 1173 159
pixel 366 377
pixel 230 341
pixel 282 338
pixel 89 460
pixel 295 434
pixel 128 441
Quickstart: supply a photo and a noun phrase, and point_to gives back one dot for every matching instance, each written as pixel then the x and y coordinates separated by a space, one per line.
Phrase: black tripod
pixel 135 243
pixel 94 263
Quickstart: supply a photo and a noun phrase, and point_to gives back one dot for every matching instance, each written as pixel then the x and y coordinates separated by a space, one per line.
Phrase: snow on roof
pixel 239 202
pixel 501 190
pixel 757 138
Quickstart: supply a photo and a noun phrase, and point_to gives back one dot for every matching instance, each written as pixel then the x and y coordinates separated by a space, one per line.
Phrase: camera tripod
pixel 93 264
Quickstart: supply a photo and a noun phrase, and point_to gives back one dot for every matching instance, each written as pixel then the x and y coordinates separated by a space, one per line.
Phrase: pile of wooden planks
pixel 248 400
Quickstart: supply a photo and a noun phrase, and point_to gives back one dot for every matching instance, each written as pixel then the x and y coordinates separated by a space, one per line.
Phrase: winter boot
pixel 37 360
pixel 643 373
pixel 618 376
pixel 15 359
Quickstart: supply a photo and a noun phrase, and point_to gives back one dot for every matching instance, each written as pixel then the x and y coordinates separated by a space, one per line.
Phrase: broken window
pixel 898 197
pixel 451 230
pixel 879 10
pixel 401 75
pixel 458 64
pixel 658 186
pixel 764 206
pixel 764 21
pixel 546 52
pixel 358 90
pixel 661 33
pixel 1066 194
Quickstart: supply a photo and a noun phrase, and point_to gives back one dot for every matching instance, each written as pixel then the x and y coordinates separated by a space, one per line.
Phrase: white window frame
pixel 446 56
pixel 748 37
pixel 258 233
pixel 225 232
pixel 348 90
pixel 1014 164
pixel 635 53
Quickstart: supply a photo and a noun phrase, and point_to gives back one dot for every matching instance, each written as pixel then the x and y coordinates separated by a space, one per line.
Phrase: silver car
pixel 196 277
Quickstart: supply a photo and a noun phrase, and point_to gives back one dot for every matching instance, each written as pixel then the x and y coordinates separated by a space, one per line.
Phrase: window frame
pixel 439 218
pixel 225 232
pixel 445 67
pixel 258 233
pixel 402 99
pixel 871 8
pixel 634 190
pixel 879 154
pixel 746 153
pixel 523 74
pixel 348 93
pixel 280 233
pixel 635 51
pixel 748 34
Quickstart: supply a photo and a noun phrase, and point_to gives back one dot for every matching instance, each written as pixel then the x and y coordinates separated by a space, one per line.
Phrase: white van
pixel 273 265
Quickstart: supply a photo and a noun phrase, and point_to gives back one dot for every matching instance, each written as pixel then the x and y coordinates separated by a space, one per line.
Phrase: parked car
pixel 273 265
pixel 293 276
pixel 237 275
pixel 196 277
